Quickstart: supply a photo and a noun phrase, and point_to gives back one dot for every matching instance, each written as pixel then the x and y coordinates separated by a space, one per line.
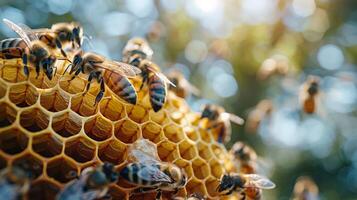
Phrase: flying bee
pixel 219 121
pixel 263 110
pixel 246 157
pixel 30 49
pixel 115 74
pixel 154 176
pixel 92 183
pixel 183 87
pixel 305 189
pixel 59 35
pixel 249 185
pixel 136 50
pixel 309 93
pixel 14 183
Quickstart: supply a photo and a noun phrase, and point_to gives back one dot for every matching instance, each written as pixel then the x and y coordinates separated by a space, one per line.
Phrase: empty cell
pixel 152 132
pixel 43 190
pixel 185 165
pixel 200 168
pixel 187 150
pixel 75 86
pixel 112 109
pixel 137 113
pixel 112 151
pixel 204 151
pixel 98 128
pixel 23 95
pixel 211 186
pixel 174 133
pixel 216 168
pixel 195 186
pixel 54 101
pixel 84 105
pixel 191 133
pixel 67 124
pixel 47 145
pixel 127 131
pixel 159 117
pixel 8 114
pixel 62 170
pixel 80 149
pixel 34 120
pixel 167 151
pixel 13 141
pixel 29 163
pixel 12 72
pixel 2 89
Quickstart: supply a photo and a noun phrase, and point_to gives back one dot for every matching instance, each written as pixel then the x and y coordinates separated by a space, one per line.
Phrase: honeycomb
pixel 53 129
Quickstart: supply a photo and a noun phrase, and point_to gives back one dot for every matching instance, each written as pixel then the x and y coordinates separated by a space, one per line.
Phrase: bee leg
pixel 59 45
pixel 37 70
pixel 101 92
pixel 158 195
pixel 76 74
pixel 142 82
pixel 26 68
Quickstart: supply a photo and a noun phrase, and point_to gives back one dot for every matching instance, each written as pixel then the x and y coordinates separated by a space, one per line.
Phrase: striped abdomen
pixel 135 173
pixel 121 86
pixel 157 92
pixel 12 48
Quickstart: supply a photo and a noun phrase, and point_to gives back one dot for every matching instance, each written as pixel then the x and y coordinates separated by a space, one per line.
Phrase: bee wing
pixel 233 118
pixel 121 68
pixel 255 180
pixel 161 76
pixel 32 35
pixel 151 173
pixel 19 31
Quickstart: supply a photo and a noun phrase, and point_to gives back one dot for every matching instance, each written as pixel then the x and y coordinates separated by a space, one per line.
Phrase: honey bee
pixel 113 73
pixel 136 50
pixel 92 183
pixel 30 49
pixel 263 109
pixel 183 87
pixel 305 189
pixel 59 35
pixel 219 120
pixel 14 183
pixel 309 94
pixel 246 157
pixel 248 185
pixel 154 176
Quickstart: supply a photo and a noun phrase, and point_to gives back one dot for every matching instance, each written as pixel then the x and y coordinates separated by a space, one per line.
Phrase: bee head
pixel 210 112
pixel 226 185
pixel 313 89
pixel 177 175
pixel 77 34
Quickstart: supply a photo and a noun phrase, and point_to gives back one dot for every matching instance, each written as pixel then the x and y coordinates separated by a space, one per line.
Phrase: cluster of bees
pixel 40 48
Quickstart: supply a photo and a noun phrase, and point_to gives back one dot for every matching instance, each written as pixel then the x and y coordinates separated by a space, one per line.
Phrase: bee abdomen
pixel 121 86
pixel 131 174
pixel 157 91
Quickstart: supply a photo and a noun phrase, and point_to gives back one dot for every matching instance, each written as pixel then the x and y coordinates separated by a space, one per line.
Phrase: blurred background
pixel 239 52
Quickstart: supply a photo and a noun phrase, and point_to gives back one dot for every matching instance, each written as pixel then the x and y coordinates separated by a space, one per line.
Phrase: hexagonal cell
pixel 42 81
pixel 47 145
pixel 84 105
pixel 98 128
pixel 23 95
pixel 167 151
pixel 151 131
pixel 116 193
pixel 112 151
pixel 211 186
pixel 54 101
pixel 176 116
pixel 112 109
pixel 195 186
pixel 67 124
pixel 217 150
pixel 62 169
pixel 75 86
pixel 204 151
pixel 186 165
pixel 34 120
pixel 80 149
pixel 13 141
pixel 30 163
pixel 8 114
pixel 126 131
pixel 205 135
pixel 200 168
pixel 159 117
pixel 216 168
pixel 173 133
pixel 2 89
pixel 137 113
pixel 43 190
pixel 187 150
pixel 12 72
pixel 191 133
pixel 3 162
